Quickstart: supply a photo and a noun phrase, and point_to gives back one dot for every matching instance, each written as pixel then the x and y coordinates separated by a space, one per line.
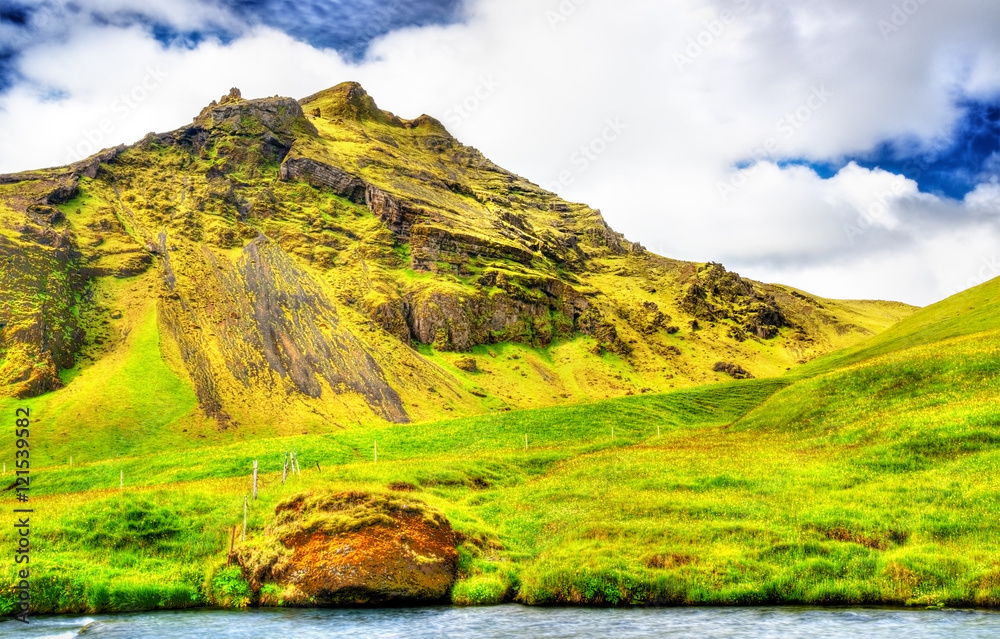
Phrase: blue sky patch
pixel 347 27
pixel 952 169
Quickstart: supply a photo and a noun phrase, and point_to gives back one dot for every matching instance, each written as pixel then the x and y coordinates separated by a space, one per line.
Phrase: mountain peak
pixel 346 100
pixel 350 101
pixel 274 113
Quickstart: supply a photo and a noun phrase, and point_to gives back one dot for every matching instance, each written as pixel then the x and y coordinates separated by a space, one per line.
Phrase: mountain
pixel 288 266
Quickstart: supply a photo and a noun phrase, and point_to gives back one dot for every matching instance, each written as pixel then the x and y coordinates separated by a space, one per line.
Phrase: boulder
pixel 352 548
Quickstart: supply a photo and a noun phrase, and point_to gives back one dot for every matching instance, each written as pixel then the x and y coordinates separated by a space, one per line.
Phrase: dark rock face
pixel 39 334
pixel 274 331
pixel 506 307
pixel 398 215
pixel 430 244
pixel 353 549
pixel 323 176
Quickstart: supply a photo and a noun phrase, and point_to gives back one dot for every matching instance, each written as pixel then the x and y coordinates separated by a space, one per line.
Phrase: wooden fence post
pixel 284 471
pixel 255 479
pixel 244 538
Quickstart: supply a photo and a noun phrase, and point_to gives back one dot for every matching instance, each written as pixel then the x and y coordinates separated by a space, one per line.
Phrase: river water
pixel 521 621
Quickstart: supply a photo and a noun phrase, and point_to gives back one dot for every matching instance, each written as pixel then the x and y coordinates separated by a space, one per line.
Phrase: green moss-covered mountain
pixel 298 266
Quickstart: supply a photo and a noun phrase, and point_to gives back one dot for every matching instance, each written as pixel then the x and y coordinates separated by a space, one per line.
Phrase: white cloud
pixel 985 199
pixel 748 91
pixel 122 84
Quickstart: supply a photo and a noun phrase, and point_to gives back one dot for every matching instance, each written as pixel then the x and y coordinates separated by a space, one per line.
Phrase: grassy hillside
pixel 866 477
pixel 972 311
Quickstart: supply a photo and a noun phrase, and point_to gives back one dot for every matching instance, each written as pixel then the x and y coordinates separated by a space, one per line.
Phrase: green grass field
pixel 867 476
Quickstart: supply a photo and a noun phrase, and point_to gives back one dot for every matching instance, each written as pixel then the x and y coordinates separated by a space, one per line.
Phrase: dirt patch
pixel 403 487
pixel 668 561
pixel 877 540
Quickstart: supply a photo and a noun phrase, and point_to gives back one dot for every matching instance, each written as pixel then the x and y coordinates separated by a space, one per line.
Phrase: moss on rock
pixel 353 548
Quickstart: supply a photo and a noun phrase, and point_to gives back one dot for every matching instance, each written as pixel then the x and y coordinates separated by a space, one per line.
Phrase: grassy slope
pixel 132 400
pixel 872 479
pixel 967 313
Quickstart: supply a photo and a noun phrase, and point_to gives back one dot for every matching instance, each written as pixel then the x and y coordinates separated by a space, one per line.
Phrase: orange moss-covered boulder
pixel 352 548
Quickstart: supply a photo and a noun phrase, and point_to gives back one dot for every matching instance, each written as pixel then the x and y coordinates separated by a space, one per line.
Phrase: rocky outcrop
pixel 243 135
pixel 323 176
pixel 647 318
pixel 348 100
pixel 352 548
pixel 733 370
pixel 279 117
pixel 594 324
pixel 90 166
pixel 716 294
pixel 397 214
pixel 603 236
pixel 505 307
pixel 52 187
pixel 411 224
pixel 430 244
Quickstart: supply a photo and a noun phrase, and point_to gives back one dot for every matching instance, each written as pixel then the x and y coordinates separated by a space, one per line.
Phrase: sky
pixel 850 148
